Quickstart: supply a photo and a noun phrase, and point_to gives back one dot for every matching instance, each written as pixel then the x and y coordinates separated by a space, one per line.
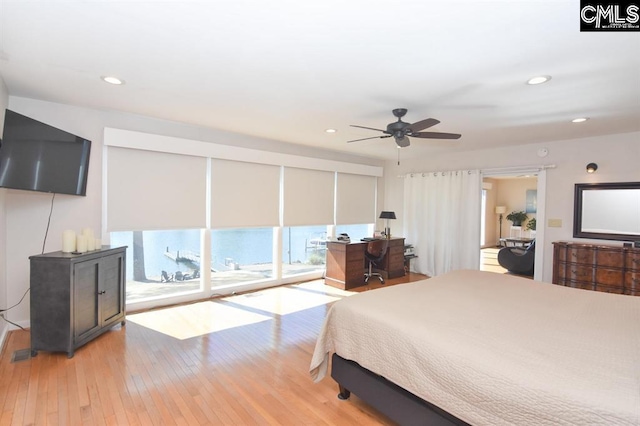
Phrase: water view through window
pixel 241 255
pixel 168 263
pixel 160 263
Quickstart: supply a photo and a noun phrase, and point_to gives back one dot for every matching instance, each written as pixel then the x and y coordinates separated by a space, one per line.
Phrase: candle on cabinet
pixel 98 244
pixel 81 244
pixel 68 241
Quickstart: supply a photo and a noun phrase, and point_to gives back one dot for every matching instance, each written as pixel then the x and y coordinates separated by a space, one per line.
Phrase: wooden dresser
pixel 606 268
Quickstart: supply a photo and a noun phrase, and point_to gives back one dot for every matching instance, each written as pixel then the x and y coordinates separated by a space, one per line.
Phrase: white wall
pixel 27 212
pixel 617 156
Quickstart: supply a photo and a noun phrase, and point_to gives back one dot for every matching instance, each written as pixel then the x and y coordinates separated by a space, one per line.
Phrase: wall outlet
pixel 554 223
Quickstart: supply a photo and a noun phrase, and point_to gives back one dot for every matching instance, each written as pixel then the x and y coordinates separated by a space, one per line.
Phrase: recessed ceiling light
pixel 331 130
pixel 580 120
pixel 539 80
pixel 112 80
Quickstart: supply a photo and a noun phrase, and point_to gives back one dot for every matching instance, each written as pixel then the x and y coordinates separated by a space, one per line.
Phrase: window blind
pixel 308 197
pixel 244 194
pixel 149 190
pixel 355 199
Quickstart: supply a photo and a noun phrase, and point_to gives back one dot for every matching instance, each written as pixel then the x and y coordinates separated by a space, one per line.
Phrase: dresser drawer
pixel 632 260
pixel 575 272
pixel 608 257
pixel 632 283
pixel 580 253
pixel 610 277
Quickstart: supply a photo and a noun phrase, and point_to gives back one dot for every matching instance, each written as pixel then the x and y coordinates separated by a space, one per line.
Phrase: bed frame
pixel 390 399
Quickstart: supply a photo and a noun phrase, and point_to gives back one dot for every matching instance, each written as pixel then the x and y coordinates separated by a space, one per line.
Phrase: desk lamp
pixel 386 216
pixel 501 210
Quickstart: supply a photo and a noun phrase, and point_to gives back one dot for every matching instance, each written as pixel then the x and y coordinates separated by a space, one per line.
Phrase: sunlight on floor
pixel 184 322
pixel 282 300
pixel 489 260
pixel 197 319
pixel 320 287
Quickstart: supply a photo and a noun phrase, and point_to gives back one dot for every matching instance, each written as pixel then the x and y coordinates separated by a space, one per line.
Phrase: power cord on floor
pixel 13 323
pixel 2 311
pixel 46 233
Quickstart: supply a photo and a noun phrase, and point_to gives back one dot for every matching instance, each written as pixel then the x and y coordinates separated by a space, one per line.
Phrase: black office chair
pixel 376 250
pixel 517 260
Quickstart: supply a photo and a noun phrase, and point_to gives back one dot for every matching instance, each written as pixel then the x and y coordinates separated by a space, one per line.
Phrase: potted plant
pixel 518 218
pixel 531 225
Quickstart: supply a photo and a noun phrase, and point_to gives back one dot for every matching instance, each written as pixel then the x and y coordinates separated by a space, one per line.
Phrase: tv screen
pixel 37 157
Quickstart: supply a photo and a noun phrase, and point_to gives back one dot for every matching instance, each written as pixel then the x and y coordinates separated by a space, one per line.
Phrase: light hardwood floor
pixel 244 361
pixel 489 260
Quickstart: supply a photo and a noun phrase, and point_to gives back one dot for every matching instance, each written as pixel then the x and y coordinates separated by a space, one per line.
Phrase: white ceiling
pixel 289 69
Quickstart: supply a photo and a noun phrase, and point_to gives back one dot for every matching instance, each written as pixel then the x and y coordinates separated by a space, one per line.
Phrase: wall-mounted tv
pixel 38 157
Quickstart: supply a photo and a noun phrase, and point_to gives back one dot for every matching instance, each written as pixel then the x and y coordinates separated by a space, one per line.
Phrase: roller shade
pixel 355 199
pixel 149 190
pixel 308 197
pixel 244 194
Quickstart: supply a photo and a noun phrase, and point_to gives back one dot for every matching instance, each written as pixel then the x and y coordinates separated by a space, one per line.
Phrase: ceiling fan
pixel 401 130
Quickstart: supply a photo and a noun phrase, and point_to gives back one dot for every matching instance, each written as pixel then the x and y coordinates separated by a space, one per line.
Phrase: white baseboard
pixel 4 332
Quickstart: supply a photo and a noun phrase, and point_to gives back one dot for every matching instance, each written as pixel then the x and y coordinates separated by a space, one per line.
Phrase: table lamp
pixel 386 216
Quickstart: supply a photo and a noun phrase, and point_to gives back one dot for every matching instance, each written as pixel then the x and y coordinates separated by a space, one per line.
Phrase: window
pixel 160 263
pixel 304 249
pixel 241 255
pixel 356 232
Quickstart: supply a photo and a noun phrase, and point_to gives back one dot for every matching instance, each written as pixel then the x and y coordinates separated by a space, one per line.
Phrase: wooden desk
pixel 346 263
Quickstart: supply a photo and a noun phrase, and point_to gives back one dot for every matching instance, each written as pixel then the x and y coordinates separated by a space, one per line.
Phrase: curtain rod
pixel 516 168
pixel 496 171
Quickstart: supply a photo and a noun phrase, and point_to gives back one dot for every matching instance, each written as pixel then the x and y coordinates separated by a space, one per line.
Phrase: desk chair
pixel 375 252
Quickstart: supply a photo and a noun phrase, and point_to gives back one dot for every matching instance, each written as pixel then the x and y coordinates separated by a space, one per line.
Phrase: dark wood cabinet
pixel 394 260
pixel 346 263
pixel 604 268
pixel 75 298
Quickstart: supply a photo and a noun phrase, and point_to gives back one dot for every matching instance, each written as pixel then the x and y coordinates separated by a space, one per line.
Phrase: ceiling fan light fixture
pixel 330 130
pixel 539 79
pixel 580 120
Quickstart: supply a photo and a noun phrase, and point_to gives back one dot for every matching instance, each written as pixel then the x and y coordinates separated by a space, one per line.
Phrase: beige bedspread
pixel 494 349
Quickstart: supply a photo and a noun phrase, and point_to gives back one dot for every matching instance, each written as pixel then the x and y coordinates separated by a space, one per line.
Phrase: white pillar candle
pixel 87 232
pixel 98 244
pixel 81 244
pixel 91 243
pixel 68 241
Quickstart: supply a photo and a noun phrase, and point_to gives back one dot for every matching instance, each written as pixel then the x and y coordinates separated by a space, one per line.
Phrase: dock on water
pixel 183 256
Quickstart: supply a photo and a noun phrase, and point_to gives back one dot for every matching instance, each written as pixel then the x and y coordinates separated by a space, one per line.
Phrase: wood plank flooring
pixel 251 374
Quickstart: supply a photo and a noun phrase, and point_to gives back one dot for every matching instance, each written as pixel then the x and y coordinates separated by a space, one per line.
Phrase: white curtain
pixel 442 220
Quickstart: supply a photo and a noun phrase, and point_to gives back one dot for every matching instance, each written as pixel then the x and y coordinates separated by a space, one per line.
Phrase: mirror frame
pixel 577 211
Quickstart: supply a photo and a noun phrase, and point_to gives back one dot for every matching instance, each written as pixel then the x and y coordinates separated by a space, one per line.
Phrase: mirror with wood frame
pixel 607 211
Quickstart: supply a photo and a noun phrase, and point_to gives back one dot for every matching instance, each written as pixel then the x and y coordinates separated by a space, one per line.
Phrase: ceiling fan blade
pixel 436 135
pixel 423 124
pixel 370 128
pixel 373 137
pixel 403 142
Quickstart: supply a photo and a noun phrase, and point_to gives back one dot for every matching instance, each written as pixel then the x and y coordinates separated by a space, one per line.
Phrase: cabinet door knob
pixel 102 292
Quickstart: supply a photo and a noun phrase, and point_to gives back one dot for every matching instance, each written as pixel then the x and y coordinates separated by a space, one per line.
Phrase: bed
pixel 480 348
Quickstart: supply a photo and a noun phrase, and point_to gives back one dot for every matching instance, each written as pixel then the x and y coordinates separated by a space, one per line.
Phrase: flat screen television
pixel 38 157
